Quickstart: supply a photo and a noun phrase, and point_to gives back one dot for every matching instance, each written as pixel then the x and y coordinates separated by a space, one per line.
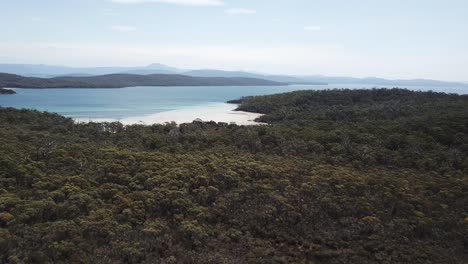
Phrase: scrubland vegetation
pixel 342 176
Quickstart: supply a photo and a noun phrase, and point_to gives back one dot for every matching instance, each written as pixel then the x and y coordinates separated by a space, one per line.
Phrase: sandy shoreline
pixel 217 112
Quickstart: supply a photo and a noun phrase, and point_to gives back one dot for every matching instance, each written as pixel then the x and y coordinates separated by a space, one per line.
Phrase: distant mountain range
pixel 380 81
pixel 276 78
pixel 47 71
pixel 127 80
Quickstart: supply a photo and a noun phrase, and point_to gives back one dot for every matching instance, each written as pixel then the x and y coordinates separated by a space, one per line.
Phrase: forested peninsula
pixel 127 80
pixel 339 176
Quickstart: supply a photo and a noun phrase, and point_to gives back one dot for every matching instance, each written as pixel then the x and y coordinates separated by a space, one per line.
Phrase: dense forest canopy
pixel 339 176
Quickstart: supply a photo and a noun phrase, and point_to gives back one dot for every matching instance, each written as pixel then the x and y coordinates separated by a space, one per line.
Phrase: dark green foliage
pixel 338 177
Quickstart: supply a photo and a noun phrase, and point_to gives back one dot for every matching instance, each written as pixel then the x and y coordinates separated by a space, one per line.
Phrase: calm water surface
pixel 140 101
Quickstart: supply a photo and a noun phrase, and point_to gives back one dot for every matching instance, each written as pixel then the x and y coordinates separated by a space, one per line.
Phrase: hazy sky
pixel 385 38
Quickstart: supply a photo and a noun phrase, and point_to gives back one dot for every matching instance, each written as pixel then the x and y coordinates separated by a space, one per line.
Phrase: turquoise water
pixel 140 101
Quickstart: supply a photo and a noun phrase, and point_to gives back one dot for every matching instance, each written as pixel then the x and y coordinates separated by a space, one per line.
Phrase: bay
pixel 116 104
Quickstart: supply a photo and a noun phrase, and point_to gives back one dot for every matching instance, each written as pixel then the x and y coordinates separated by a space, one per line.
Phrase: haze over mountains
pixel 49 71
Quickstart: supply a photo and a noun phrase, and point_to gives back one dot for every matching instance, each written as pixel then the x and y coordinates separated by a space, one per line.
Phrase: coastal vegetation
pixel 127 80
pixel 338 176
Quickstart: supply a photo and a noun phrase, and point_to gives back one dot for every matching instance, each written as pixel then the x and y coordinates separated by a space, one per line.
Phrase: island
pixel 6 91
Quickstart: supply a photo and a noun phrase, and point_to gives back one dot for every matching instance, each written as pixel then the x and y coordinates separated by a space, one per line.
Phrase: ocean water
pixel 142 101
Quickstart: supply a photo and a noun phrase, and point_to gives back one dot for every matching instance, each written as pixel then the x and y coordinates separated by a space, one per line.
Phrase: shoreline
pixel 217 112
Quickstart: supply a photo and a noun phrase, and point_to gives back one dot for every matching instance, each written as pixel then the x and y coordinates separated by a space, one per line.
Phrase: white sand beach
pixel 217 112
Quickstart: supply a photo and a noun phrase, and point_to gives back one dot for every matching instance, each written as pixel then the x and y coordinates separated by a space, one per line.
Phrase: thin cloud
pixel 110 13
pixel 240 11
pixel 312 28
pixel 35 18
pixel 175 2
pixel 121 28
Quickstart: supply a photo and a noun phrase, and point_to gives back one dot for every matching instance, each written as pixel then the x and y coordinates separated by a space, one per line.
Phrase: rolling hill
pixel 126 80
pixel 275 78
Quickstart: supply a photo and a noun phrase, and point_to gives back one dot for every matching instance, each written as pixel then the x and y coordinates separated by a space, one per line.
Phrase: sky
pixel 386 38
